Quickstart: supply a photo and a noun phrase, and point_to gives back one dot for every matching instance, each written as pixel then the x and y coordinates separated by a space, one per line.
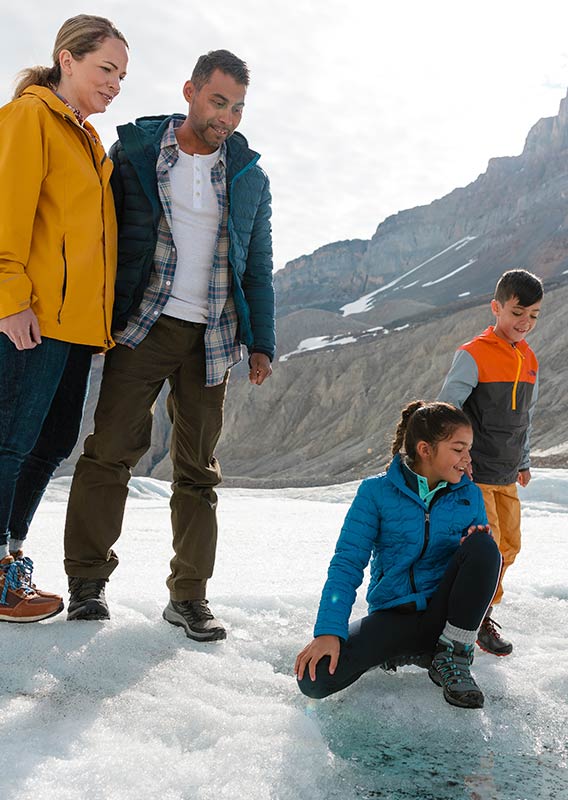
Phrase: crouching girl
pixel 434 566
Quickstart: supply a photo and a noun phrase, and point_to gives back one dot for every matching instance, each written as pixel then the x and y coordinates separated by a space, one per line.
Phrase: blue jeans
pixel 42 395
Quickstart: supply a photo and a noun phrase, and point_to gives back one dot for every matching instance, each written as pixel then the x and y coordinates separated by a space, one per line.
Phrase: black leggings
pixel 462 598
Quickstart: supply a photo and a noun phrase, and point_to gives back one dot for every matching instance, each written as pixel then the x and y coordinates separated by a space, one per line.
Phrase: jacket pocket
pixel 64 283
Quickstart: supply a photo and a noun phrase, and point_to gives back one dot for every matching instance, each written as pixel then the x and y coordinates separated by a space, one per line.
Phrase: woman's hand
pixel 321 646
pixel 22 329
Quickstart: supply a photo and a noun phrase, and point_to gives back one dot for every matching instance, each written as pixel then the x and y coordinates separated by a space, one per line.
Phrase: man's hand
pixel 524 477
pixel 22 329
pixel 321 646
pixel 260 368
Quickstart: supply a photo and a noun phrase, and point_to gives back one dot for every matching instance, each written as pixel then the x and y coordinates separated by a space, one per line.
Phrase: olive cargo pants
pixel 174 351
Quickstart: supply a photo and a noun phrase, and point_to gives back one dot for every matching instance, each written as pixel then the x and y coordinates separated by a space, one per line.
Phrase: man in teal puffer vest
pixel 194 282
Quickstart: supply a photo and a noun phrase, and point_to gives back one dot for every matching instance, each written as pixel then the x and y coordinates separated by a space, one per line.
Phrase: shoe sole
pixel 448 698
pixel 88 613
pixel 493 653
pixel 4 618
pixel 216 635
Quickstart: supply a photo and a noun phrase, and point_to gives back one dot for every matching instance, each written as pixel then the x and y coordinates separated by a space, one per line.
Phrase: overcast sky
pixel 359 109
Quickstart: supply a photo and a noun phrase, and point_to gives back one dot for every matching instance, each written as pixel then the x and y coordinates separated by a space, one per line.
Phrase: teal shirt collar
pixel 420 484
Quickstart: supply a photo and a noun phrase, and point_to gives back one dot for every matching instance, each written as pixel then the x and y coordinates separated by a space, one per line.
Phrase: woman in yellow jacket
pixel 57 270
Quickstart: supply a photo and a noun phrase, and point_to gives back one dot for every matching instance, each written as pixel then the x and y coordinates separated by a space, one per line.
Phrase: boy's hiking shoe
pixel 196 618
pixel 87 599
pixel 490 640
pixel 19 602
pixel 450 670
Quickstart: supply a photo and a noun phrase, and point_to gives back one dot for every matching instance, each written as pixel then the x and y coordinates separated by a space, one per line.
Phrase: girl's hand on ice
pixel 321 646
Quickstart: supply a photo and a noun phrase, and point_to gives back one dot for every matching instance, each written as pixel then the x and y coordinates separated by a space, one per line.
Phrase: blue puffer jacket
pixel 138 209
pixel 409 545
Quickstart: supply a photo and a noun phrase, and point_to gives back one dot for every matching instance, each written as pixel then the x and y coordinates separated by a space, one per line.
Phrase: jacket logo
pixel 532 372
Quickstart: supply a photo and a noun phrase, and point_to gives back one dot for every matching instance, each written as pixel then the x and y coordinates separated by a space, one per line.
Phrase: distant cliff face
pixel 514 215
pixel 323 279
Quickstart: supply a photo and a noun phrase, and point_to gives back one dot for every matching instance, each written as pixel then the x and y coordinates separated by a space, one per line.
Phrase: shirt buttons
pixel 156 313
pixel 168 283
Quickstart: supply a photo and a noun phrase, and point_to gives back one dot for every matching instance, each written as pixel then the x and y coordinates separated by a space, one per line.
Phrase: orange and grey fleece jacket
pixel 496 384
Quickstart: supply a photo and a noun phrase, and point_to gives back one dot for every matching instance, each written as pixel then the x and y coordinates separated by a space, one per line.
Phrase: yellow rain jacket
pixel 57 221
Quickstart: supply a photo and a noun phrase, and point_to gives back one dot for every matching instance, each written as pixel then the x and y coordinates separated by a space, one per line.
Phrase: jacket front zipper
pixel 520 358
pixel 436 497
pixel 424 546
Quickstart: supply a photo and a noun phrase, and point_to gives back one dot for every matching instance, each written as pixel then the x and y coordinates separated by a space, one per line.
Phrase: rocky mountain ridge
pixel 513 215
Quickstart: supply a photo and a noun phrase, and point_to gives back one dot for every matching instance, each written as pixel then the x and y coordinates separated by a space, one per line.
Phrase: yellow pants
pixel 504 516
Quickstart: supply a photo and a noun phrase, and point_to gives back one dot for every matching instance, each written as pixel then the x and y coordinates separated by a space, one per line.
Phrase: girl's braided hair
pixel 426 422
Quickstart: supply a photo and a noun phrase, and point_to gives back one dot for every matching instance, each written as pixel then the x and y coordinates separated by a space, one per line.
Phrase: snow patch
pixel 365 303
pixel 317 342
pixel 450 274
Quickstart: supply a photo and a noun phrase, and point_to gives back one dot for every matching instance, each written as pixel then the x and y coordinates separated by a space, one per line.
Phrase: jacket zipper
pixel 439 494
pixel 520 358
pixel 64 286
pixel 99 174
pixel 424 546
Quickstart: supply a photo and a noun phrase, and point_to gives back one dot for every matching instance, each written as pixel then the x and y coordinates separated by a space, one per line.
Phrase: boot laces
pixel 25 569
pixel 454 668
pixel 13 580
pixel 491 627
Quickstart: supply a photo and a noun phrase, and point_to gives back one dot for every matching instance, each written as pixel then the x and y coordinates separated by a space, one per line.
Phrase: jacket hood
pixel 145 134
pixel 56 105
pixel 153 127
pixel 48 97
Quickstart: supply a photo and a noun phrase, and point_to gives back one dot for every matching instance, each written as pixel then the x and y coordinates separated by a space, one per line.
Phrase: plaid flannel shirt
pixel 222 349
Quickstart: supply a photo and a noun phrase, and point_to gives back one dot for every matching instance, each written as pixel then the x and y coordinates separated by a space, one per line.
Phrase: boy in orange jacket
pixel 494 378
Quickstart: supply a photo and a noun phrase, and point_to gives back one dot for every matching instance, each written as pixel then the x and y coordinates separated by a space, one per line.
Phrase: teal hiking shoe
pixel 450 670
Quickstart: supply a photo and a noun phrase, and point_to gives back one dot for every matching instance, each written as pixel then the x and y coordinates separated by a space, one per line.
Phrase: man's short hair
pixel 520 284
pixel 222 60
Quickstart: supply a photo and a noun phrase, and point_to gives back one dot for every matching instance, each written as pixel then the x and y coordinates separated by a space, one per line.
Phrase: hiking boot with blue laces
pixel 490 640
pixel 87 599
pixel 26 568
pixel 450 670
pixel 196 618
pixel 19 601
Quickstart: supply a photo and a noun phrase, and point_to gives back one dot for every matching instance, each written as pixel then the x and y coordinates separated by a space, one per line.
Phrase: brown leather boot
pixel 18 601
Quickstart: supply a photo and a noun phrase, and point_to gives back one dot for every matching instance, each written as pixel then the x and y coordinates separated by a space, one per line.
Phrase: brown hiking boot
pixel 26 568
pixel 490 640
pixel 20 603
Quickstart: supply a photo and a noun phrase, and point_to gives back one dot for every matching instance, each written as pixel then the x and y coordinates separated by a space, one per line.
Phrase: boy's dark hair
pixel 222 60
pixel 426 422
pixel 520 284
